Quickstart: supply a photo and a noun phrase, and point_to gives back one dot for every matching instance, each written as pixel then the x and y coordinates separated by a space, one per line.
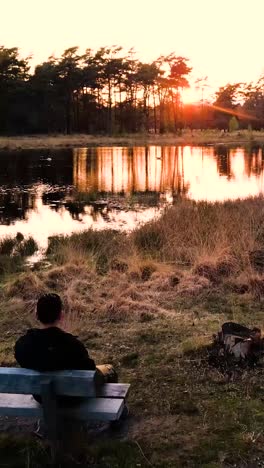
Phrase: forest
pixel 110 91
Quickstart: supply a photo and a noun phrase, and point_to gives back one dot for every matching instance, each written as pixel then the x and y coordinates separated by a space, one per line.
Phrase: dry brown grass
pixel 82 140
pixel 152 313
pixel 221 236
pixel 26 286
pixel 191 251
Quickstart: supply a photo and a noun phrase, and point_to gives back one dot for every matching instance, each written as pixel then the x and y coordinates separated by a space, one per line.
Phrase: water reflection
pixel 14 206
pixel 48 192
pixel 129 170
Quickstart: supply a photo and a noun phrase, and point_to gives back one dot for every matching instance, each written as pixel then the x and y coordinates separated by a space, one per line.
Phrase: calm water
pixel 52 192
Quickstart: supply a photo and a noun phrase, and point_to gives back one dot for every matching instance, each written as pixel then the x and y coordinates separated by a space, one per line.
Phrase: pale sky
pixel 222 38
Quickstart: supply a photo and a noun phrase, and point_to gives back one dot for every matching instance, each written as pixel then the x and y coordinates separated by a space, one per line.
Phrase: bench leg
pixel 50 417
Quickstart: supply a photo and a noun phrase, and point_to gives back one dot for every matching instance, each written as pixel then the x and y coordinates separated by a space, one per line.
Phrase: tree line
pixel 109 91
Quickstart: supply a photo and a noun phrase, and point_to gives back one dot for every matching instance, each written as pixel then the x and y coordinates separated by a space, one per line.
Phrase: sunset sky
pixel 222 38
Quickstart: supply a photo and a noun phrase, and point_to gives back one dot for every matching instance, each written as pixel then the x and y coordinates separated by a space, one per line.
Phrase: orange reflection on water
pixel 128 170
pixel 237 181
pixel 149 176
pixel 199 172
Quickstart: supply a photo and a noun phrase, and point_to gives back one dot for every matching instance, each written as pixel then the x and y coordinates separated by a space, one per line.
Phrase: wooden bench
pixel 100 402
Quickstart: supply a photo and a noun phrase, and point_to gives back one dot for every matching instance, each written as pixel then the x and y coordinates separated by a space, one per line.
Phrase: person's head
pixel 49 309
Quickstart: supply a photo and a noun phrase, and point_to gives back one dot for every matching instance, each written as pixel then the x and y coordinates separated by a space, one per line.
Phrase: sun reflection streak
pixel 242 115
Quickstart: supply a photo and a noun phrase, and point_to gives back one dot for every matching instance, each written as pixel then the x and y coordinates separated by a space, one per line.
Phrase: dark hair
pixel 49 308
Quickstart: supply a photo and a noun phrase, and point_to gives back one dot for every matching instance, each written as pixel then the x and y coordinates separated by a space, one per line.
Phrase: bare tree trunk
pixel 155 111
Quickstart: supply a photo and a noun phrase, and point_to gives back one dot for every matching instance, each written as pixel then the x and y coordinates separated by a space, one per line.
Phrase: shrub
pixel 233 124
pixel 27 247
pixel 101 246
pixel 7 246
pixel 149 238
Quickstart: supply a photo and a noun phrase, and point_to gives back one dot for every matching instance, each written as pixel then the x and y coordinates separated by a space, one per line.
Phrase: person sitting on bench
pixel 50 348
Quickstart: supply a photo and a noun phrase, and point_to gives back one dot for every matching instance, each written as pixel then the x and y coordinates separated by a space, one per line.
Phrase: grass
pixel 13 253
pixel 18 246
pixel 81 140
pixel 27 247
pixel 149 303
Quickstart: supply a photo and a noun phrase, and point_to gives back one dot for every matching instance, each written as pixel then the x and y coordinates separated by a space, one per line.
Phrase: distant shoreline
pixel 198 137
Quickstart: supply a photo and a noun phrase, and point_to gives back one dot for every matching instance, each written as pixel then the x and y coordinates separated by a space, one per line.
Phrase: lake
pixel 47 192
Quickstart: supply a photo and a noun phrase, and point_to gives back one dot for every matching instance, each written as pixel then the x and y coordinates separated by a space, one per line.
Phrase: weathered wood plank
pixel 49 405
pixel 26 381
pixel 98 409
pixel 19 405
pixel 101 409
pixel 113 390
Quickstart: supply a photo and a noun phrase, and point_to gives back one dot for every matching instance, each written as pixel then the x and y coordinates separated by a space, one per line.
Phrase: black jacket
pixel 51 349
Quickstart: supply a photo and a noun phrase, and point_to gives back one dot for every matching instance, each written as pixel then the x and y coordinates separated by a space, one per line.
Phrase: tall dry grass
pixel 193 232
pixel 192 250
pixel 195 241
pixel 193 247
pixel 97 248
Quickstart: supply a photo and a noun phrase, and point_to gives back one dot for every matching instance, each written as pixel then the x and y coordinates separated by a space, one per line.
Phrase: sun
pixel 190 96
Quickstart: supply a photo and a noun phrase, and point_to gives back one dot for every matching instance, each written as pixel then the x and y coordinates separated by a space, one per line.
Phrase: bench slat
pixel 98 409
pixel 113 391
pixel 26 381
pixel 19 405
pixel 101 409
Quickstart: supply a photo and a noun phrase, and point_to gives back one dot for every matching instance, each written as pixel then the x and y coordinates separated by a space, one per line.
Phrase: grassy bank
pixel 149 303
pixel 187 137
